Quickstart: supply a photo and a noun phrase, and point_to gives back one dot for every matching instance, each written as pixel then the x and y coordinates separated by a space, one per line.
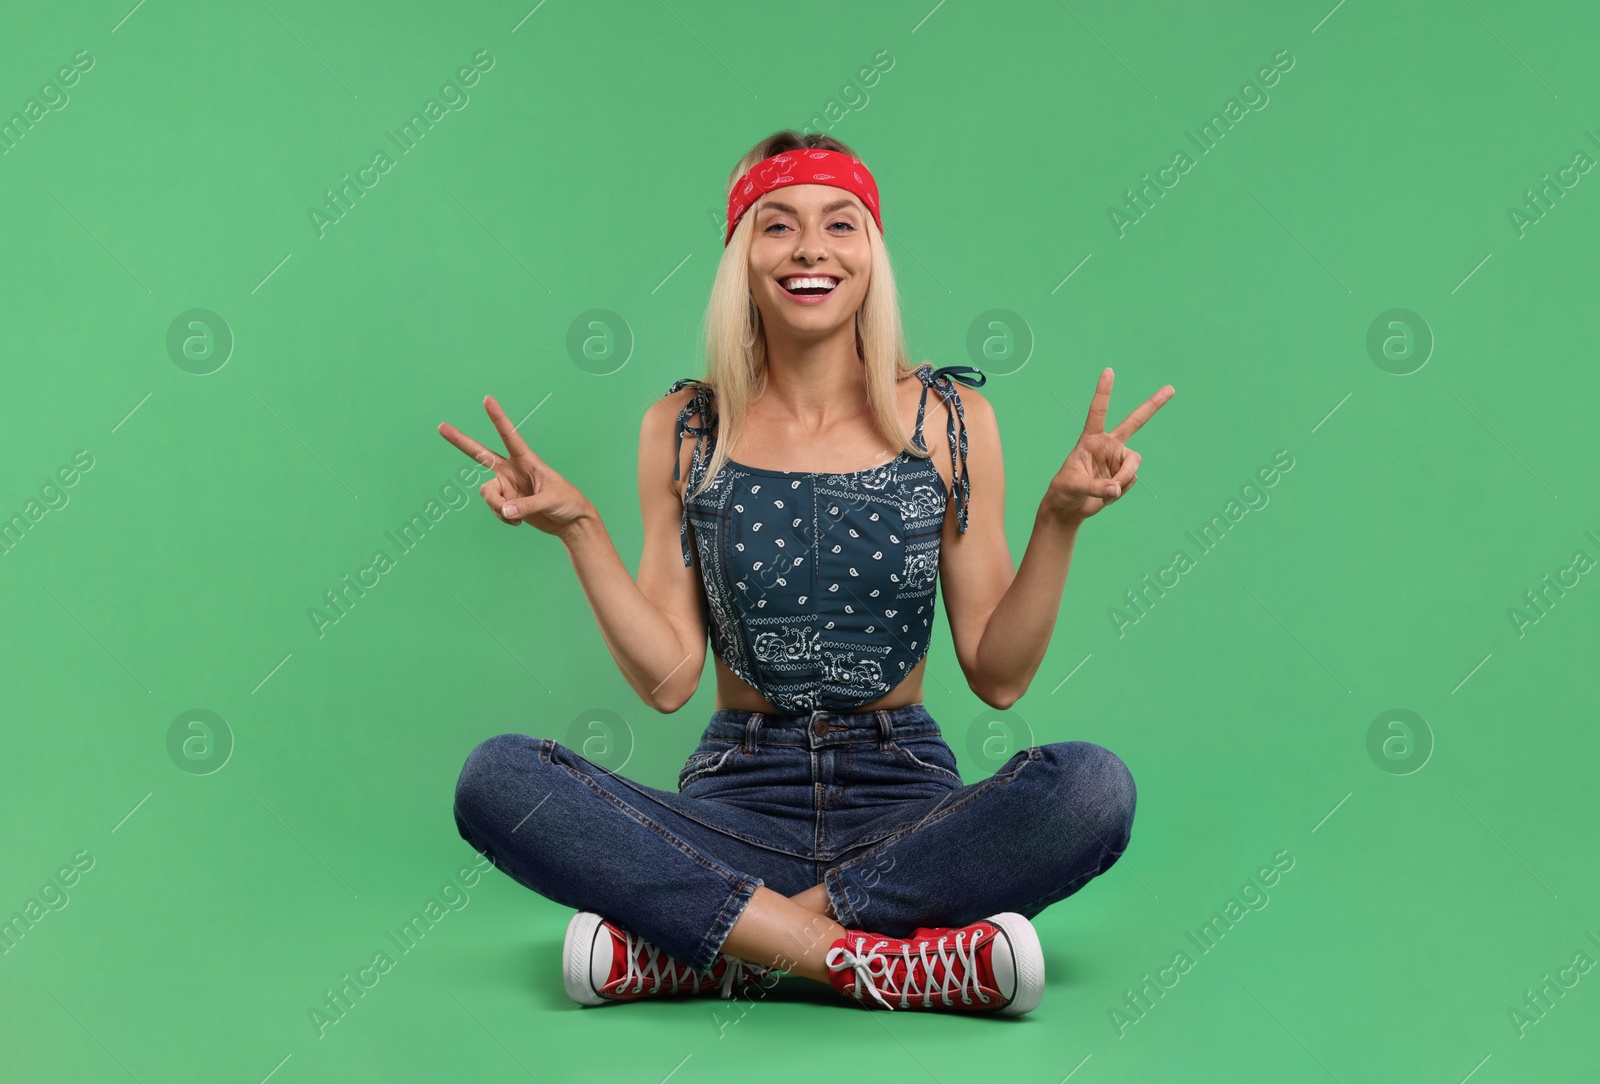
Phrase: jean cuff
pixel 705 957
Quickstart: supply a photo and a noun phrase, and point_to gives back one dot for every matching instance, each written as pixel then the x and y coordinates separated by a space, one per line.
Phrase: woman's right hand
pixel 524 489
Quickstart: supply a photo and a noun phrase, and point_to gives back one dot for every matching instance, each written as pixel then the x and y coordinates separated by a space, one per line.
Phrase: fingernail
pixel 509 511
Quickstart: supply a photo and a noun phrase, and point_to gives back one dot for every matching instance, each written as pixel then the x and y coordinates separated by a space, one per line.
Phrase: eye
pixel 846 223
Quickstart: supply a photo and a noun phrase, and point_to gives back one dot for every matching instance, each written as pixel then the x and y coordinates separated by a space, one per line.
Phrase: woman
pixel 821 828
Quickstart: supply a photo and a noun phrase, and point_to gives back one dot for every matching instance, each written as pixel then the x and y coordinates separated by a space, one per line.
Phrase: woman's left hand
pixel 1100 468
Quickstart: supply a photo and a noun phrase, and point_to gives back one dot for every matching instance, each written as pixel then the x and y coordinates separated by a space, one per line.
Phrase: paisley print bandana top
pixel 820 587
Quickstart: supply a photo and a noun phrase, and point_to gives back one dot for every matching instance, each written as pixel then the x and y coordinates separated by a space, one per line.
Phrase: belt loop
pixel 751 726
pixel 885 731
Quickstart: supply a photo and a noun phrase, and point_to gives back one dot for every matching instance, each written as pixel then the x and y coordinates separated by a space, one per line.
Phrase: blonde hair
pixel 736 373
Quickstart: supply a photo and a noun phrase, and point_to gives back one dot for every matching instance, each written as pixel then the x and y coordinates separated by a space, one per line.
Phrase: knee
pixel 491 776
pixel 1094 792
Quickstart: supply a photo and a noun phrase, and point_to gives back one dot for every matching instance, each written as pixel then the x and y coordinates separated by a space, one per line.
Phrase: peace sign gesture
pixel 1101 468
pixel 524 489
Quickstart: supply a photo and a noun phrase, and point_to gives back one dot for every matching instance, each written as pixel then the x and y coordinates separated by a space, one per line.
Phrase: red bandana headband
pixel 802 167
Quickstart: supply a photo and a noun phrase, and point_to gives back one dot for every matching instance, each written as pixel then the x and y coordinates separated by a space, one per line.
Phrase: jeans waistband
pixel 821 727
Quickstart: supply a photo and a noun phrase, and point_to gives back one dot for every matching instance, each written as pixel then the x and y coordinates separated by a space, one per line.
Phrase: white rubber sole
pixel 1029 962
pixel 576 954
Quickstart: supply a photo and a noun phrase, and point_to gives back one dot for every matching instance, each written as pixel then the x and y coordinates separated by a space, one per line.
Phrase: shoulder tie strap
pixel 961 491
pixel 699 405
pixel 958 372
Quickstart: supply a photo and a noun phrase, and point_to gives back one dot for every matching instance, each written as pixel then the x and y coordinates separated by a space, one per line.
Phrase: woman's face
pixel 809 232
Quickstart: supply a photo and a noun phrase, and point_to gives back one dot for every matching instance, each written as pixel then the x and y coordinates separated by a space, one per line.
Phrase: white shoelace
pixel 658 966
pixel 663 968
pixel 736 974
pixel 872 967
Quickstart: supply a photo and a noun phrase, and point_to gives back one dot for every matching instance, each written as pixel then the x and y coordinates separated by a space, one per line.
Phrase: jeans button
pixel 820 728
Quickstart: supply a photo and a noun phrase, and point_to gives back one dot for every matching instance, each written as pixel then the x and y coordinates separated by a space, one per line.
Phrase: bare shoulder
pixel 974 401
pixel 977 422
pixel 976 410
pixel 661 416
pixel 659 436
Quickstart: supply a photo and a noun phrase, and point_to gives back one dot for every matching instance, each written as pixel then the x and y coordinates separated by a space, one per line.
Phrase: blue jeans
pixel 869 804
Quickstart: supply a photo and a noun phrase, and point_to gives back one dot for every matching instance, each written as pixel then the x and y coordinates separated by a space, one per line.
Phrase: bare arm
pixel 654 627
pixel 1002 621
pixel 1001 617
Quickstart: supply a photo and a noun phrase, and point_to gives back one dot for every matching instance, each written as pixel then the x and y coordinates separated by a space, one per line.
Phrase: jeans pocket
pixel 930 755
pixel 708 759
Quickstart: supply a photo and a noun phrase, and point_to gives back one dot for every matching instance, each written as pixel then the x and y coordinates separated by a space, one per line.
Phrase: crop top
pixel 820 587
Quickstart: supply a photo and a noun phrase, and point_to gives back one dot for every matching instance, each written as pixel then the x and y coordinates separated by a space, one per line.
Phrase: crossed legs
pixel 791 933
pixel 1051 819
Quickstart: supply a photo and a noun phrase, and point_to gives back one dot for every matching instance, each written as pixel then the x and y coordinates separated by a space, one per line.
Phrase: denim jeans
pixel 869 804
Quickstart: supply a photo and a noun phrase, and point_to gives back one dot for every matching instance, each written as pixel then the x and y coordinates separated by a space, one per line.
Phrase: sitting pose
pixel 821 828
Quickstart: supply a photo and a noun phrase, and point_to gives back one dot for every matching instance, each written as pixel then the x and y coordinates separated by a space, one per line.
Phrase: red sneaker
pixel 994 965
pixel 602 961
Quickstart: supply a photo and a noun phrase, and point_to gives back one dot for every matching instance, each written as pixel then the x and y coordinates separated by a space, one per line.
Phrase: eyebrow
pixel 836 205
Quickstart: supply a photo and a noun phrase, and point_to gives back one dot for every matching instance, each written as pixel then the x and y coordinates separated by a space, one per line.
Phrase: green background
pixel 1434 881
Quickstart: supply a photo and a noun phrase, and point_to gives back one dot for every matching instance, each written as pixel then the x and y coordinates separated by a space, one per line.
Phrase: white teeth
pixel 821 282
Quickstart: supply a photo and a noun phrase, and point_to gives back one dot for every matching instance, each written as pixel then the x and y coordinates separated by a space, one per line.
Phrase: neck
pixel 814 380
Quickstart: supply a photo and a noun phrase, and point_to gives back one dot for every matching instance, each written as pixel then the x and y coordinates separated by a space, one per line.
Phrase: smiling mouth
pixel 809 285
